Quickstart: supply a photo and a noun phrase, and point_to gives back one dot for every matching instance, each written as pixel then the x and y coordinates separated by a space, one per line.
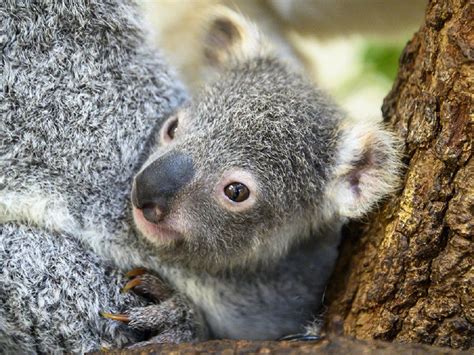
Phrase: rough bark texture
pixel 408 277
pixel 333 345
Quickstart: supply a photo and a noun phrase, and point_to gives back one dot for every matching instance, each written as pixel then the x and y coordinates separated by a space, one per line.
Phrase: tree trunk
pixel 408 274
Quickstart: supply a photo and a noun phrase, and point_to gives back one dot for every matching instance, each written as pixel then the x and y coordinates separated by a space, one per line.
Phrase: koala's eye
pixel 173 126
pixel 237 192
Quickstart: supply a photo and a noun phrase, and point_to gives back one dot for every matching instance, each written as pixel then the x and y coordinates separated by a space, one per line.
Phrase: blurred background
pixel 350 48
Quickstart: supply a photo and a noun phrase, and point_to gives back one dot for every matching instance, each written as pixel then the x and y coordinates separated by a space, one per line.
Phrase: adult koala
pixel 80 96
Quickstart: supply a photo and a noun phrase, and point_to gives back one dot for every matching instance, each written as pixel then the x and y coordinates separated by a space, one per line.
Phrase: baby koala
pixel 245 195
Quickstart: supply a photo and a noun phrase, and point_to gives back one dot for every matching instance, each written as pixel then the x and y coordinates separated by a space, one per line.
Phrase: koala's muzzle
pixel 159 182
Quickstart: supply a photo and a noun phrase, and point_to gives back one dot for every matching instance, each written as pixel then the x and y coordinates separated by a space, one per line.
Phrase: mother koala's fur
pixel 80 96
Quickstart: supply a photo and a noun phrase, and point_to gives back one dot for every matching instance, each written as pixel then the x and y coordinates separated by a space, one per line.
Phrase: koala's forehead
pixel 257 98
pixel 260 93
pixel 254 92
pixel 259 115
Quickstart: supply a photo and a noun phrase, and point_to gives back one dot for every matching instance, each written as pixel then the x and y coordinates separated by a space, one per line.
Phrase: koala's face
pixel 240 169
pixel 257 162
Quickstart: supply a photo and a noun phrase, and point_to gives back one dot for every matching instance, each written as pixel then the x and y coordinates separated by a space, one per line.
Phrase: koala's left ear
pixel 367 168
pixel 228 37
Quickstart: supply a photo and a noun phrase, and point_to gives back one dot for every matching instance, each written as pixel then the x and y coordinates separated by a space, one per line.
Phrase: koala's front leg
pixel 173 320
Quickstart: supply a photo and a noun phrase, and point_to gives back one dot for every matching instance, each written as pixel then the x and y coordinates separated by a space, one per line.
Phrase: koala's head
pixel 258 162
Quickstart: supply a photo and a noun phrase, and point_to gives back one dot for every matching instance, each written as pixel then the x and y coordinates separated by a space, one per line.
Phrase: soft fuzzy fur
pixel 80 95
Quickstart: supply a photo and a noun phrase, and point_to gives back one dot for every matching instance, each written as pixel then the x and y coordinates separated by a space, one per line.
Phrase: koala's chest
pixel 238 309
pixel 263 305
pixel 250 310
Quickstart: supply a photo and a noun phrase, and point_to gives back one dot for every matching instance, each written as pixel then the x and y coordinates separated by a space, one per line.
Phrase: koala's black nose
pixel 159 182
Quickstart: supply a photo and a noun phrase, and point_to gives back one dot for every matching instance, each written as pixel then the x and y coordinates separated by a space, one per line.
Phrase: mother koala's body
pixel 80 96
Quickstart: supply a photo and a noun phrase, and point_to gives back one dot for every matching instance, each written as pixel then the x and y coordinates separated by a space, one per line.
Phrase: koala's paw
pixel 147 285
pixel 167 314
pixel 171 321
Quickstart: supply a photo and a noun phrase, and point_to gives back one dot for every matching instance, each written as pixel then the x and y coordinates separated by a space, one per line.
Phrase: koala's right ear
pixel 228 38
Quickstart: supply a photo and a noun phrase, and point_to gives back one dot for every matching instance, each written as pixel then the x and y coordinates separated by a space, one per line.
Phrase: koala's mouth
pixel 155 232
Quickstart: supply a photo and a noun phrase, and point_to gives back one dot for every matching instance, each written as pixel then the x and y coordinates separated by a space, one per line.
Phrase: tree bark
pixel 329 346
pixel 407 276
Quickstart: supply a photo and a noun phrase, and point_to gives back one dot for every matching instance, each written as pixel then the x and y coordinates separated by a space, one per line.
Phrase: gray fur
pixel 80 94
pixel 52 290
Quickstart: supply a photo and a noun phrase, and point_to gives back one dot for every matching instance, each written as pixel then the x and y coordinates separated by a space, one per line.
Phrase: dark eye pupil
pixel 237 192
pixel 172 128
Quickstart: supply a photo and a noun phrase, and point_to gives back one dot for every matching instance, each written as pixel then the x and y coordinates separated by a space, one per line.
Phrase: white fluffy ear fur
pixel 367 168
pixel 229 37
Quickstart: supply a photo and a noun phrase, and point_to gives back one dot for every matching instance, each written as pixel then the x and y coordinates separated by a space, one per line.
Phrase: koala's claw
pixel 120 317
pixel 135 272
pixel 131 284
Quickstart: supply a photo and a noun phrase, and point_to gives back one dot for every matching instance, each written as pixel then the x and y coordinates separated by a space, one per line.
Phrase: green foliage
pixel 381 59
